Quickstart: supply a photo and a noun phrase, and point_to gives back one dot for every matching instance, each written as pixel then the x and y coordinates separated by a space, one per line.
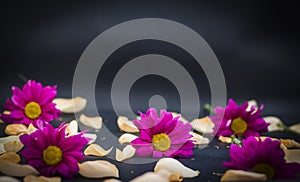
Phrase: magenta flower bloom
pixel 31 103
pixel 162 135
pixel 237 120
pixel 262 157
pixel 51 152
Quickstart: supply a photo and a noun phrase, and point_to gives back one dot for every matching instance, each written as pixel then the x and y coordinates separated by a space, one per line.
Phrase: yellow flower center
pixel 264 168
pixel 32 110
pixel 161 142
pixel 238 126
pixel 52 155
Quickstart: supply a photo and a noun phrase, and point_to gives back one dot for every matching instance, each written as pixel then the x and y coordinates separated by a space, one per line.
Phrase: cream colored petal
pixel 175 114
pixel 15 129
pixel 72 128
pixel 225 139
pixel 290 143
pixel 295 128
pixel 10 157
pixel 252 103
pixel 174 166
pixel 126 125
pixel 4 140
pixel 176 177
pixel 8 179
pixel 31 129
pixel 93 122
pixel 9 138
pixel 239 175
pixel 2 150
pixel 150 177
pixel 92 136
pixel 127 138
pixel 292 155
pixel 111 180
pixel 32 178
pixel 17 170
pixel 198 139
pixel 13 146
pixel 96 150
pixel 72 105
pixel 274 121
pixel 98 169
pixel 203 125
pixel 127 153
pixel 6 112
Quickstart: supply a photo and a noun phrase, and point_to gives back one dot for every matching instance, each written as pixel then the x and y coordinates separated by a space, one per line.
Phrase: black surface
pixel 208 160
pixel 256 42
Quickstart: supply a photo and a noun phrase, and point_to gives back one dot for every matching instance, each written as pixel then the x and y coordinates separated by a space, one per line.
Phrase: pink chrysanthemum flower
pixel 52 152
pixel 162 135
pixel 239 121
pixel 31 103
pixel 262 157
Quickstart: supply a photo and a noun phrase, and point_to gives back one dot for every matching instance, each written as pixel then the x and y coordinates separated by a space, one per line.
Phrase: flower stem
pixel 286 128
pixel 236 140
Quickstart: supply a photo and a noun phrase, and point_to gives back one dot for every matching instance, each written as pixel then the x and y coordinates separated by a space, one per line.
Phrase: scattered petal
pixel 2 150
pixel 96 150
pixel 289 143
pixel 15 129
pixel 72 128
pixel 240 175
pixel 31 129
pixel 274 122
pixel 111 180
pixel 127 138
pixel 252 103
pixel 175 114
pixel 93 122
pixel 9 138
pixel 10 157
pixel 72 105
pixel 295 128
pixel 176 177
pixel 292 155
pixel 32 178
pixel 127 153
pixel 98 169
pixel 8 179
pixel 174 166
pixel 198 139
pixel 4 140
pixel 126 125
pixel 17 170
pixel 225 139
pixel 203 125
pixel 92 136
pixel 13 146
pixel 150 177
pixel 6 112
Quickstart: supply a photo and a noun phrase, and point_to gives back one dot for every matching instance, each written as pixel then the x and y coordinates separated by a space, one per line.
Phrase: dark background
pixel 256 43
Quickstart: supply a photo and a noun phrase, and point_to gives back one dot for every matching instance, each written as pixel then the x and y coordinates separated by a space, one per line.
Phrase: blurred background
pixel 256 43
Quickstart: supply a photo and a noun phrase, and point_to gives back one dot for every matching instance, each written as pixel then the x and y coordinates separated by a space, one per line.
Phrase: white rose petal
pixel 98 169
pixel 93 122
pixel 174 166
pixel 72 105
